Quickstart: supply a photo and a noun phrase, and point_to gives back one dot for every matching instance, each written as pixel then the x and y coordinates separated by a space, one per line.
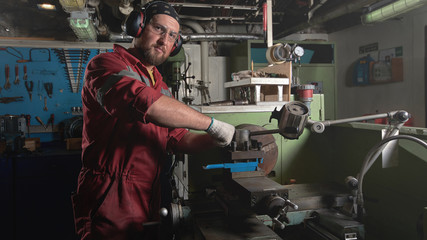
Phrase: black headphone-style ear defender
pixel 176 46
pixel 135 24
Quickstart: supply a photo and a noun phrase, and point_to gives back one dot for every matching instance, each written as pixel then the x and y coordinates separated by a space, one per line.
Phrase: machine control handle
pixel 276 114
pixel 291 204
pixel 278 223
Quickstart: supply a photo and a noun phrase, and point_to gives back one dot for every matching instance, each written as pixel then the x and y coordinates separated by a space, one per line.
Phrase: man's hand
pixel 221 132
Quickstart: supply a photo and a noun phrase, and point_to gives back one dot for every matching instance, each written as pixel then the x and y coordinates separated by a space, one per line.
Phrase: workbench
pixel 36 189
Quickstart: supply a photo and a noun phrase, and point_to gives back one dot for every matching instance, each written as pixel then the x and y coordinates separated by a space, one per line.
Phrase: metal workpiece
pixel 292 119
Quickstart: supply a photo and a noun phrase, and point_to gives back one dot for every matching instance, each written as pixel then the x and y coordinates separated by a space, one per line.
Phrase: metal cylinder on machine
pixel 242 139
pixel 278 53
pixel 305 94
pixel 294 116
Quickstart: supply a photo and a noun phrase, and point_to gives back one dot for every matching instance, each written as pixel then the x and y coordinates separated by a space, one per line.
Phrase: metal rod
pixel 223 6
pixel 355 119
pixel 264 132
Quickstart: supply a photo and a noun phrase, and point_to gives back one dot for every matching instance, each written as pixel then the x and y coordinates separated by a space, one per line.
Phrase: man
pixel 130 124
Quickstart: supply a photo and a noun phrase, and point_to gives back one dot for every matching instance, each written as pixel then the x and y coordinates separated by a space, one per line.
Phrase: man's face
pixel 157 39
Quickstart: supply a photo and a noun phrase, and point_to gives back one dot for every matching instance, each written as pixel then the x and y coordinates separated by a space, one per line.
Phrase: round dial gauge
pixel 299 51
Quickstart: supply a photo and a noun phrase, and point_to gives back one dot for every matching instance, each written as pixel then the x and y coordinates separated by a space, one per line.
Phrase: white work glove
pixel 222 132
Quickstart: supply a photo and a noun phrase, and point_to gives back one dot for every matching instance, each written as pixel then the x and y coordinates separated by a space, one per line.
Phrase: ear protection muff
pixel 135 24
pixel 176 46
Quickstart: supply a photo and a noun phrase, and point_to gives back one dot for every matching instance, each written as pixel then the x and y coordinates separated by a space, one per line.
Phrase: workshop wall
pixel 409 33
pixel 53 76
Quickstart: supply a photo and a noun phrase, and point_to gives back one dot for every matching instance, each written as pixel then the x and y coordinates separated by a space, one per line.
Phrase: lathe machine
pixel 248 204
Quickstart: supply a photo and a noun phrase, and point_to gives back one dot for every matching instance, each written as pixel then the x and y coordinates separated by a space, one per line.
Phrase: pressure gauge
pixel 298 51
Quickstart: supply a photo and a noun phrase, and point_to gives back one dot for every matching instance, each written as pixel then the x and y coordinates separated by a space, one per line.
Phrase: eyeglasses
pixel 158 29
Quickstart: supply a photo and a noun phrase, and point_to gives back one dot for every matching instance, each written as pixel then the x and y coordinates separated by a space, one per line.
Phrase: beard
pixel 151 57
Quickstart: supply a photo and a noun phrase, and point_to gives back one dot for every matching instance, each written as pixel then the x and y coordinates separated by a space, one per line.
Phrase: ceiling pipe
pixel 204 49
pixel 339 11
pixel 219 6
pixel 120 37
pixel 194 37
pixel 198 37
pixel 312 10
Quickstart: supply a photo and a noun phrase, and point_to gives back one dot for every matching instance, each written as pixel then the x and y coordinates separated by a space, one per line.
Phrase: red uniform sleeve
pixel 118 88
pixel 175 135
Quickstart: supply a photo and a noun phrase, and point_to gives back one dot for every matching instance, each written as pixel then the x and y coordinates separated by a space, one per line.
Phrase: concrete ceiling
pixel 22 19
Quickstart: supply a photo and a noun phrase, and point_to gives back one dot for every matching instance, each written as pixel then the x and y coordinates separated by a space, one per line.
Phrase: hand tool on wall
pixel 16 82
pixel 51 120
pixel 28 122
pixel 44 72
pixel 40 121
pixel 29 87
pixel 25 73
pixel 11 99
pixel 40 50
pixel 74 61
pixel 48 87
pixel 45 104
pixel 6 72
pixel 39 90
pixel 14 52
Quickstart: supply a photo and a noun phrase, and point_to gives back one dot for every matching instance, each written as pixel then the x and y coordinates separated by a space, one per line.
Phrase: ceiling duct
pixel 391 10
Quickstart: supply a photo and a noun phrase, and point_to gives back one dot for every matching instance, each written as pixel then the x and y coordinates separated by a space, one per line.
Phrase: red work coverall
pixel 118 186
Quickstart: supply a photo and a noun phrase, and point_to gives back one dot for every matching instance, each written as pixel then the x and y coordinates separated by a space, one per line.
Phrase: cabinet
pixel 37 188
pixel 317 66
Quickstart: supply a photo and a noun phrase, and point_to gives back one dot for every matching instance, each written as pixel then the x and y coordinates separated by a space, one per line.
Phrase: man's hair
pixel 159 7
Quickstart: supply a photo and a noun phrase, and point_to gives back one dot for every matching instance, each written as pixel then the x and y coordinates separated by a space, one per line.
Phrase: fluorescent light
pixel 82 26
pixel 72 5
pixel 46 6
pixel 392 10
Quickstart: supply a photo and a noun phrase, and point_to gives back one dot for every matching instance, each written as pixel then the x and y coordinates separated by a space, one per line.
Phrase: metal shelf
pixel 253 81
